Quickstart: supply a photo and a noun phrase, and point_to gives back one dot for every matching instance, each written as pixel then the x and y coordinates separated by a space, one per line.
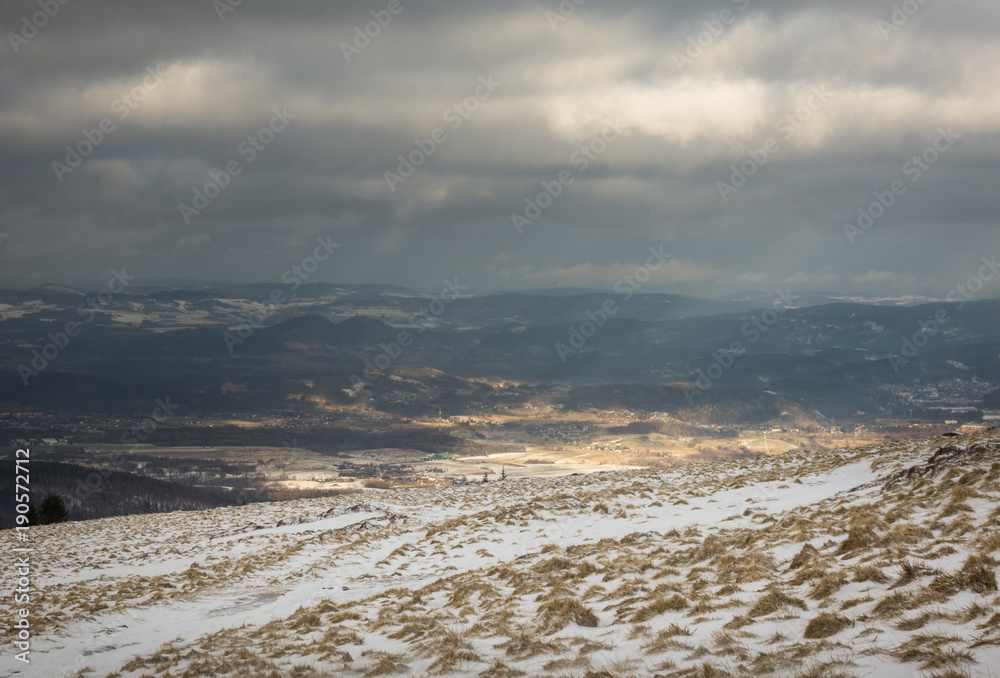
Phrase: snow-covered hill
pixel 872 562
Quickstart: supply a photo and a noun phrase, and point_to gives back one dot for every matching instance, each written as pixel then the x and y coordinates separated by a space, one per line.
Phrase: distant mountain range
pixel 846 359
pixel 373 291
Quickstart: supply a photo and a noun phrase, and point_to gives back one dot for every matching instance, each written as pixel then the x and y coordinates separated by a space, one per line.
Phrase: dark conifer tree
pixel 53 510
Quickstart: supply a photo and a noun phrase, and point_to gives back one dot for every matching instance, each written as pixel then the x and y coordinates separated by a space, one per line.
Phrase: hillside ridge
pixel 856 562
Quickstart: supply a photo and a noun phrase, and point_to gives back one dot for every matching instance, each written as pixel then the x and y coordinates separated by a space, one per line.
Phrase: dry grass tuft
pixel 989 543
pixel 556 613
pixel 826 625
pixel 910 572
pixel 707 670
pixel 952 673
pixel 977 574
pixel 553 565
pixel 451 650
pixel 905 534
pixel 828 669
pixel 860 537
pixel 829 584
pixel 710 548
pixel 772 601
pixel 946 585
pixel 933 652
pixel 916 623
pixel 892 605
pixel 525 642
pixel 872 573
pixel 804 557
pixel 658 606
pixel 499 669
pixel 385 664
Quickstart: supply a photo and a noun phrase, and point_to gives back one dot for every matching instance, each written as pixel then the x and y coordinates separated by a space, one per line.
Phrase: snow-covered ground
pixel 839 563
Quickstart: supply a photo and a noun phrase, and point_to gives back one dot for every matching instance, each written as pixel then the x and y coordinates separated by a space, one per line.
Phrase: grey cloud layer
pixel 686 122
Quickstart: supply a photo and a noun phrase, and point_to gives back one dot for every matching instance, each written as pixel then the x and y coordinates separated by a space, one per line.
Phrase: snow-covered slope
pixel 871 562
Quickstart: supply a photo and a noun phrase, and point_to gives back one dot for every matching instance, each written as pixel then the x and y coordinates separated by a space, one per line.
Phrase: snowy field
pixel 874 562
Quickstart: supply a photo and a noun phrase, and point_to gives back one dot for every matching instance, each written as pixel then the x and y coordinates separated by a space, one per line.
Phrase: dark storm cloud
pixel 187 94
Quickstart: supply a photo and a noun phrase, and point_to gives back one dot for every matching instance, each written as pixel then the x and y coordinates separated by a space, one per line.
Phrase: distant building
pixel 991 415
pixel 973 428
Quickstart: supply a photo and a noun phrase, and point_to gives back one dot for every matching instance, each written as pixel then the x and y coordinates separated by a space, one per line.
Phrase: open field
pixel 855 562
pixel 533 455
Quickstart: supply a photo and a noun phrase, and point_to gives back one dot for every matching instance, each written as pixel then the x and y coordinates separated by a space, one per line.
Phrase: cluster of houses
pixel 22 443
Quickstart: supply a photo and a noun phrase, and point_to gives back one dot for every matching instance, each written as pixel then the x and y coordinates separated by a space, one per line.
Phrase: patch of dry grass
pixel 978 574
pixel 559 611
pixel 933 651
pixel 774 600
pixel 658 606
pixel 384 664
pixel 828 584
pixel 872 573
pixel 826 625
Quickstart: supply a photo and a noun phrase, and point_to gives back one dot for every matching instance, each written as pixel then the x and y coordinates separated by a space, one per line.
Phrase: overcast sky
pixel 663 118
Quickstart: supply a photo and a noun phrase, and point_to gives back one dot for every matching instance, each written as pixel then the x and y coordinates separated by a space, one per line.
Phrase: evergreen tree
pixel 53 510
pixel 32 514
